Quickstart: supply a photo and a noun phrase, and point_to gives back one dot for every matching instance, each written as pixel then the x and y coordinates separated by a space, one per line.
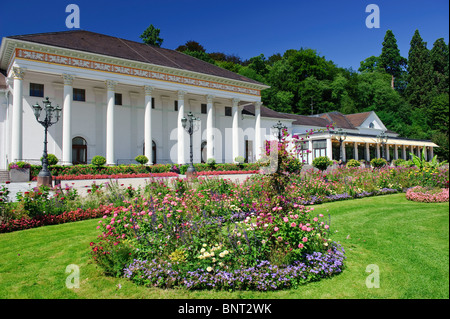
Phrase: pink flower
pixel 305 239
pixel 293 224
pixel 276 229
pixel 304 228
pixel 326 226
pixel 300 246
pixel 315 219
pixel 285 219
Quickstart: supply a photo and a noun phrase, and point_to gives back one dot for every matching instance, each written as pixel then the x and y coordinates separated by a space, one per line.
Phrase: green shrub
pixel 322 162
pixel 353 163
pixel 378 162
pixel 19 164
pixel 211 163
pixel 51 158
pixel 399 162
pixel 98 160
pixel 141 159
pixel 239 159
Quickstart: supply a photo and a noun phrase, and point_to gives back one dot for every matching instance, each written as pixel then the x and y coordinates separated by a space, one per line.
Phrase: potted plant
pixel 19 171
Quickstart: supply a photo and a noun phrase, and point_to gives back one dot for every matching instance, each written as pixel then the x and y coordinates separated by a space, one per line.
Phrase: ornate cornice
pixel 65 57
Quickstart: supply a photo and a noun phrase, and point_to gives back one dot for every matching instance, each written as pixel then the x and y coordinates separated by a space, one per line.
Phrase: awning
pixel 390 141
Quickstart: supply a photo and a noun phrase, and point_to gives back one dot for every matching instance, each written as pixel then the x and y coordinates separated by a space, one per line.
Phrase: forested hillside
pixel 410 94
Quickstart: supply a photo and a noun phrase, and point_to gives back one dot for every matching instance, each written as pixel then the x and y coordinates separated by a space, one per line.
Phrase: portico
pixel 122 108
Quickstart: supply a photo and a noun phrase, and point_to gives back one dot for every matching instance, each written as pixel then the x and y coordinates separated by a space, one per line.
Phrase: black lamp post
pixel 45 177
pixel 382 139
pixel 341 136
pixel 279 133
pixel 190 127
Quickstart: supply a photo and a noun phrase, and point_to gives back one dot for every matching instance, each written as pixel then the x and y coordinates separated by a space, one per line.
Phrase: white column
pixel 404 152
pixel 396 151
pixel 180 133
pixel 378 151
pixel 17 116
pixel 388 155
pixel 235 129
pixel 431 152
pixel 355 151
pixel 110 155
pixel 258 139
pixel 210 140
pixel 344 155
pixel 329 148
pixel 310 153
pixel 148 124
pixel 67 120
pixel 367 152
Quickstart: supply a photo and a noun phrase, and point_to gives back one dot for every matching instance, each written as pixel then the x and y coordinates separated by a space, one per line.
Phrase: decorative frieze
pixel 113 68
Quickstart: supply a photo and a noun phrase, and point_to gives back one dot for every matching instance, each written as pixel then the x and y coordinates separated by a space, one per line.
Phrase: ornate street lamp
pixel 190 126
pixel 279 133
pixel 382 139
pixel 45 177
pixel 341 136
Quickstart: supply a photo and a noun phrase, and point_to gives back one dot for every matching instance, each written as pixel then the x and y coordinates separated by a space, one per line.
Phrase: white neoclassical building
pixel 122 98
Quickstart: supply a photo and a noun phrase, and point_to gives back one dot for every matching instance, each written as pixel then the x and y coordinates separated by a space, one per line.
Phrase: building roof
pixel 92 42
pixel 249 109
pixel 339 120
pixel 358 118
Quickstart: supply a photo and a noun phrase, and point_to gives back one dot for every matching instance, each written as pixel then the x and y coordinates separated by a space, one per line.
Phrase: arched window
pixel 79 150
pixel 204 152
pixel 371 125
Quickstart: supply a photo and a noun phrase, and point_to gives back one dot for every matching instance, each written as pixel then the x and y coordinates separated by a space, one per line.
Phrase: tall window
pixel 204 107
pixel 175 106
pixel 319 148
pixel 79 95
pixel 79 150
pixel 37 89
pixel 227 110
pixel 118 99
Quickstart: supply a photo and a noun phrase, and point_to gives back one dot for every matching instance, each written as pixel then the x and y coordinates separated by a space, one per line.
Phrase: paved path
pixel 83 185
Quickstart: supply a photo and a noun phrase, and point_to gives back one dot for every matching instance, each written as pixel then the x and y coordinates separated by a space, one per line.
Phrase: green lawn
pixel 408 241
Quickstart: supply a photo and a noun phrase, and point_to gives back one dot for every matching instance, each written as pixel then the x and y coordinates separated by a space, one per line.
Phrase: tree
pixel 370 64
pixel 151 36
pixel 420 71
pixel 192 46
pixel 439 59
pixel 390 59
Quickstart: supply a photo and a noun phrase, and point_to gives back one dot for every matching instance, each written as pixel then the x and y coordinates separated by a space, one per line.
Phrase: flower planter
pixel 19 175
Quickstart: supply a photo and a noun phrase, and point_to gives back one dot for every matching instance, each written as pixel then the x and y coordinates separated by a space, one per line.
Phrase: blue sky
pixel 336 29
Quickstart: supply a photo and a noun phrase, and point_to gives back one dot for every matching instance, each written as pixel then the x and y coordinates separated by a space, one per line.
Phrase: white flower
pixel 202 250
pixel 209 269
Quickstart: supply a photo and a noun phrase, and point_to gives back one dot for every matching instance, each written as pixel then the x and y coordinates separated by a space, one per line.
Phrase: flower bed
pixel 205 173
pixel 114 176
pixel 263 276
pixel 427 195
pixel 66 217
